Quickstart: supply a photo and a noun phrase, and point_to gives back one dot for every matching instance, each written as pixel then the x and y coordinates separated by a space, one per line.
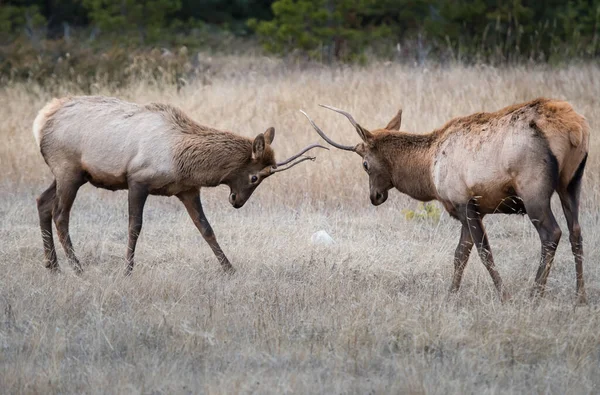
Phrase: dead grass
pixel 369 314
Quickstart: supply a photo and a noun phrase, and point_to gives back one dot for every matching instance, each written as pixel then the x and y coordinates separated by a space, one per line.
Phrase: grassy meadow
pixel 368 314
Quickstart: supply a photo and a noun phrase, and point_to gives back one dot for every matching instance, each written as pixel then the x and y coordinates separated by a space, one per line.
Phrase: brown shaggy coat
pixel 152 149
pixel 508 161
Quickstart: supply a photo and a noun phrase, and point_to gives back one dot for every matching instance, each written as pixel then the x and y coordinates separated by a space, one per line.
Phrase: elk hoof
pixel 582 299
pixel 537 292
pixel 227 268
pixel 54 269
pixel 505 296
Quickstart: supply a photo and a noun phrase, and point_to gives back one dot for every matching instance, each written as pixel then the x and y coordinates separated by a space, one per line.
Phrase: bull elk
pixel 152 149
pixel 509 161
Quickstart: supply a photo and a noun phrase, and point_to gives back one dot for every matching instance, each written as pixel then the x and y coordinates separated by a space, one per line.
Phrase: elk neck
pixel 207 157
pixel 410 157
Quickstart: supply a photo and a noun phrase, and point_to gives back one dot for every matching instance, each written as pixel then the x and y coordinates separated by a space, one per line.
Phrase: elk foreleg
pixel 191 201
pixel 470 216
pixel 137 199
pixel 461 256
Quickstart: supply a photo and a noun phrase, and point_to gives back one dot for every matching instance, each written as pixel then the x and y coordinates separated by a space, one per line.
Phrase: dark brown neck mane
pixel 410 160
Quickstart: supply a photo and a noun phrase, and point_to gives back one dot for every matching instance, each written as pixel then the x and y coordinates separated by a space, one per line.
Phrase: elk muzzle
pixel 378 198
pixel 235 201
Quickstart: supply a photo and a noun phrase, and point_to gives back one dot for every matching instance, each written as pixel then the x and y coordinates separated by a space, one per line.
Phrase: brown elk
pixel 152 149
pixel 509 161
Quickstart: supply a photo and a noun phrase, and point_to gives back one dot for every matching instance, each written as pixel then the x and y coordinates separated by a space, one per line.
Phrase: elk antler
pixel 293 157
pixel 299 154
pixel 275 170
pixel 362 132
pixel 322 134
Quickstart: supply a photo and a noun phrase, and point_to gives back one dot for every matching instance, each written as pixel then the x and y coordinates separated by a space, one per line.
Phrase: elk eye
pixel 366 166
pixel 253 179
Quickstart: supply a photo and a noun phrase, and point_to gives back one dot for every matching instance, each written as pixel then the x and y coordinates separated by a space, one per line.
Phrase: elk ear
pixel 364 134
pixel 269 135
pixel 258 146
pixel 394 124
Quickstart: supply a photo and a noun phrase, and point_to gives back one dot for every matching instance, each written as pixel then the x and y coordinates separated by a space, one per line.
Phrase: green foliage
pixel 321 28
pixel 228 14
pixel 20 16
pixel 148 17
pixel 518 28
pixel 325 30
pixel 86 67
pixel 424 211
pixel 463 29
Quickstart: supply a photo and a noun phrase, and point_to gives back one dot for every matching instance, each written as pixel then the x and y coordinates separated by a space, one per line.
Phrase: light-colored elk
pixel 509 161
pixel 152 149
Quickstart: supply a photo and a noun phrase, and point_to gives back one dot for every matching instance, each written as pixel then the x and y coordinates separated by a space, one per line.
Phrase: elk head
pixel 374 162
pixel 262 165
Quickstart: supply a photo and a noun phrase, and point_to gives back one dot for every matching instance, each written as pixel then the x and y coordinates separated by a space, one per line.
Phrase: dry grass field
pixel 369 314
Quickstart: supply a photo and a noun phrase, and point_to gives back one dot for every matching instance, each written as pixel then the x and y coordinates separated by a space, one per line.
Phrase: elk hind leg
pixel 536 187
pixel 66 191
pixel 536 195
pixel 549 232
pixel 569 198
pixel 45 203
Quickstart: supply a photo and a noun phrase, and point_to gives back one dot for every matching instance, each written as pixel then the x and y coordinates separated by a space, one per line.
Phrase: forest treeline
pixel 321 30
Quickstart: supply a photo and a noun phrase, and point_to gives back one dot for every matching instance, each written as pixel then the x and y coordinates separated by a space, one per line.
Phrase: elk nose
pixel 232 197
pixel 378 198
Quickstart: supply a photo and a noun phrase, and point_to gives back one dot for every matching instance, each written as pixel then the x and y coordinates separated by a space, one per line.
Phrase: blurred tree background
pixel 35 32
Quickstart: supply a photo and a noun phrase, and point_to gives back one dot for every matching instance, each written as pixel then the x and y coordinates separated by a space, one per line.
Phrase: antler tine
pixel 273 170
pixel 324 136
pixel 299 154
pixel 344 113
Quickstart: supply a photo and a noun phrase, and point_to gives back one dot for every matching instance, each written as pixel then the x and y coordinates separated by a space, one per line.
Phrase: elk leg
pixel 542 218
pixel 66 191
pixel 461 256
pixel 471 216
pixel 137 199
pixel 570 205
pixel 191 201
pixel 45 203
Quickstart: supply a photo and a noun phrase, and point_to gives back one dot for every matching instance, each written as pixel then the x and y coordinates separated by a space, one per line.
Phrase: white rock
pixel 321 238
